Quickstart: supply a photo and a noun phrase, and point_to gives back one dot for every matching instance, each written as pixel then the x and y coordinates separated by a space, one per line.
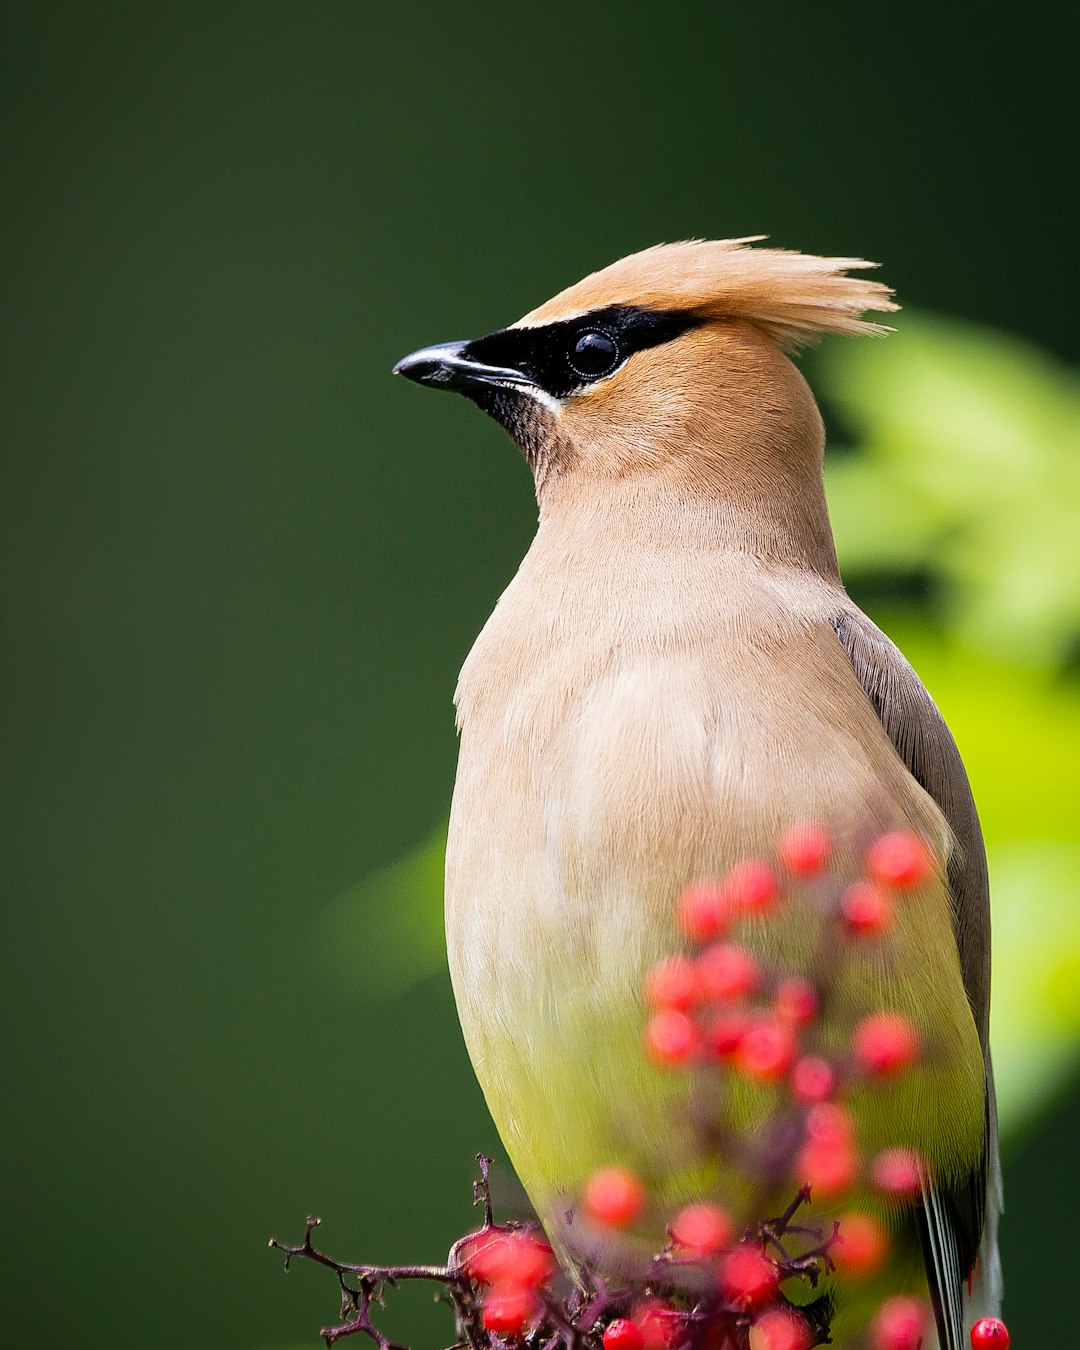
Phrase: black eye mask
pixel 573 353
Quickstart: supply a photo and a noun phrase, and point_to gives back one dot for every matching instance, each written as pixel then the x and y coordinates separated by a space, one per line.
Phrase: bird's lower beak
pixel 448 365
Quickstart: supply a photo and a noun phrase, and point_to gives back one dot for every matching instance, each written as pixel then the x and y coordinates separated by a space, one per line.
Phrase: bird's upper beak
pixel 448 365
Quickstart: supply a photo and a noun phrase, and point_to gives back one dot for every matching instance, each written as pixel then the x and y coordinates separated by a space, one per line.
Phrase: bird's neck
pixel 712 513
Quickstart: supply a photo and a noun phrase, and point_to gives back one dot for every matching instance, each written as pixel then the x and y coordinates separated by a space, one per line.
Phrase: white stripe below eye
pixel 538 395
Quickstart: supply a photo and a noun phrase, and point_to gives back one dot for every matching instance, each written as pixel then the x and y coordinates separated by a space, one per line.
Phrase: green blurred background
pixel 242 566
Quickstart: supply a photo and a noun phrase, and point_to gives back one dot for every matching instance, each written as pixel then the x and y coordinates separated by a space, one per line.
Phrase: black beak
pixel 449 366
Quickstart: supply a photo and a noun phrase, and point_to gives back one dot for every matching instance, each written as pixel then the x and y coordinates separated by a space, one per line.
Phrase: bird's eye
pixel 593 354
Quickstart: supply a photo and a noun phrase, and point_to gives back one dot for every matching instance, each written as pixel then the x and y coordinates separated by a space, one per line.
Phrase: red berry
pixel 861 1245
pixel 813 1080
pixel 671 1037
pixel 615 1197
pixel 865 909
pixel 661 1326
pixel 727 971
pixel 477 1254
pixel 471 1248
pixel 702 911
pixel 673 983
pixel 830 1123
pixel 766 1050
pixel 829 1169
pixel 796 1002
pixel 530 1261
pixel 747 1277
pixel 509 1308
pixel 989 1333
pixel 901 1324
pixel 828 1162
pixel 504 1256
pixel 752 886
pixel 702 1230
pixel 725 1031
pixel 804 849
pixel 780 1329
pixel 885 1044
pixel 899 1173
pixel 900 859
pixel 622 1334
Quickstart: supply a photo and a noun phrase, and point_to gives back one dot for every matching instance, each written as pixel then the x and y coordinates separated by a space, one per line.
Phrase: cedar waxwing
pixel 673 676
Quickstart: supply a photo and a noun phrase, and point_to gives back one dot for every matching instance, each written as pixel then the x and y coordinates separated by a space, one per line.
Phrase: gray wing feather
pixel 925 744
pixel 956 1226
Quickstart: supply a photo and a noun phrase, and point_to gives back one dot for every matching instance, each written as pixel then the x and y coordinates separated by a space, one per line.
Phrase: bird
pixel 676 671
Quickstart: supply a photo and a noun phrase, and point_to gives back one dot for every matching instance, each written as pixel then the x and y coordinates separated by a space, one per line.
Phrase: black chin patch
pixel 531 426
pixel 560 357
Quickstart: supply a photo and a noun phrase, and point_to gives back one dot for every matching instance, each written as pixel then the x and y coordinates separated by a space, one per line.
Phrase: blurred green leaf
pixel 1036 1005
pixel 385 934
pixel 969 462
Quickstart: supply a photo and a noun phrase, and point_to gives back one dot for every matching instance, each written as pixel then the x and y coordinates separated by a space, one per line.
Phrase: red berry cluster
pixel 723 1282
pixel 715 1001
pixel 511 1265
pixel 715 1004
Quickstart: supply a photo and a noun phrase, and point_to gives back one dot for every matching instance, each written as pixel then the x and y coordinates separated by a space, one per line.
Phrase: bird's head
pixel 670 362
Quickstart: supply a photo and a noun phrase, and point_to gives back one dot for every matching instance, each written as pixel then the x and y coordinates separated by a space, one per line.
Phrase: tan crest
pixel 794 297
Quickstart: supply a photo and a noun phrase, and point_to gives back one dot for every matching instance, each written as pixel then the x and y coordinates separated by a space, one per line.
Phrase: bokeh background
pixel 241 567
